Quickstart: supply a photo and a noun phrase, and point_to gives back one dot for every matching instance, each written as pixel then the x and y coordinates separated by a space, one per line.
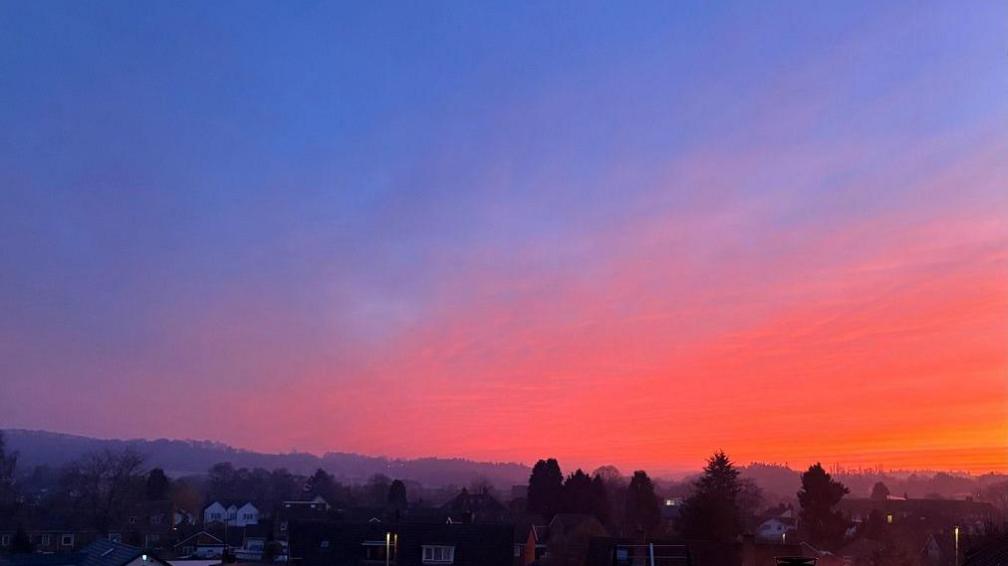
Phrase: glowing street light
pixel 955 531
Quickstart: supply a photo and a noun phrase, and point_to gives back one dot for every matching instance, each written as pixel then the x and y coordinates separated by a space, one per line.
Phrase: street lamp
pixel 955 531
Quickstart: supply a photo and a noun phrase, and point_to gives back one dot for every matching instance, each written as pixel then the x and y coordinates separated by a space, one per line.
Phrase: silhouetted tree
pixel 874 526
pixel 609 474
pixel 21 544
pixel 642 511
pixel 377 489
pixel 283 486
pixel 322 484
pixel 712 511
pixel 186 497
pixel 600 500
pixel 8 466
pixel 545 490
pixel 221 480
pixel 879 492
pixel 750 502
pixel 397 495
pixel 105 484
pixel 577 493
pixel 819 496
pixel 997 495
pixel 615 489
pixel 582 494
pixel 158 485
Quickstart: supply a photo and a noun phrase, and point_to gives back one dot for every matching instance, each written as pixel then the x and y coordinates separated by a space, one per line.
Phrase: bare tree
pixel 104 484
pixel 8 465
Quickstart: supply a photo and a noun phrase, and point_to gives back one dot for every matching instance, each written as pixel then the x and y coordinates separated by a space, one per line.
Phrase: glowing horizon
pixel 616 238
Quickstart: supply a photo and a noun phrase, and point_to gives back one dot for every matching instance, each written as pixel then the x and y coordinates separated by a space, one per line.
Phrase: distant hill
pixel 185 457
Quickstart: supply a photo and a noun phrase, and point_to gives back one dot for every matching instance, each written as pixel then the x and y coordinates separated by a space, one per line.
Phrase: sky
pixel 610 233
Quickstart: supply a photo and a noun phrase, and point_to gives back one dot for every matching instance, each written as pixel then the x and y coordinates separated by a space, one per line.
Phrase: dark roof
pixel 101 552
pixel 342 543
pixel 568 521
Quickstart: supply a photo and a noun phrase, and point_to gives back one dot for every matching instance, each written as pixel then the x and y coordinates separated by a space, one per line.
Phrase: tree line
pixel 719 507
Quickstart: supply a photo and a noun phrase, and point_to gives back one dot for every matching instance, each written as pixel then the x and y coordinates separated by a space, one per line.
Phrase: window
pixel 283 526
pixel 46 540
pixel 132 520
pixel 324 544
pixel 438 554
pixel 4 540
pixel 67 540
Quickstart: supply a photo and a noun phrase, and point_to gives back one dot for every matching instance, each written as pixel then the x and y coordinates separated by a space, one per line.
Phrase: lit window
pixel 889 518
pixel 438 554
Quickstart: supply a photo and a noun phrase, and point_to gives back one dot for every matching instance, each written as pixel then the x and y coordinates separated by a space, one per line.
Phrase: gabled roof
pixel 227 505
pixel 101 552
pixel 210 538
pixel 104 552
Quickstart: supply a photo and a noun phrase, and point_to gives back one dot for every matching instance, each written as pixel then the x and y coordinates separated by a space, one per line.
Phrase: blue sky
pixel 273 197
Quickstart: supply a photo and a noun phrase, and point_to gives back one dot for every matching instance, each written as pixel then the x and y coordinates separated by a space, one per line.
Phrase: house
pixel 101 552
pixel 475 508
pixel 925 514
pixel 406 544
pixel 52 536
pixel 201 544
pixel 232 515
pixel 569 538
pixel 216 512
pixel 317 509
pixel 147 524
pixel 530 543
